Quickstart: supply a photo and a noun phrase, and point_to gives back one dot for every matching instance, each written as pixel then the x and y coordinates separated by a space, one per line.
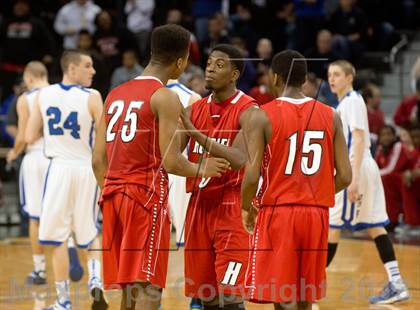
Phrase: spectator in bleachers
pixel 175 16
pixel 407 113
pixel 197 84
pixel 139 22
pixel 380 31
pixel 393 158
pixel 190 71
pixel 217 34
pixel 262 92
pixel 130 69
pixel 8 107
pixel 243 25
pixel 101 77
pixel 415 74
pixel 376 118
pixel 265 53
pixel 111 39
pixel 410 190
pixel 23 38
pixel 73 17
pixel 247 78
pixel 282 31
pixel 349 26
pixel 311 87
pixel 323 49
pixel 310 17
pixel 202 12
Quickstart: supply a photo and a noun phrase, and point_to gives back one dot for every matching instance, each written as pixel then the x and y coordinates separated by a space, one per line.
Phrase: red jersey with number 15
pixel 219 121
pixel 132 141
pixel 298 164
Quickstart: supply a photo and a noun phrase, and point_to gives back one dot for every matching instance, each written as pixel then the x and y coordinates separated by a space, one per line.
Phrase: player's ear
pixel 235 75
pixel 179 62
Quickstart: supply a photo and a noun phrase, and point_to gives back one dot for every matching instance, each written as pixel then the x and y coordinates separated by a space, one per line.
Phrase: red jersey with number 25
pixel 132 140
pixel 219 121
pixel 298 164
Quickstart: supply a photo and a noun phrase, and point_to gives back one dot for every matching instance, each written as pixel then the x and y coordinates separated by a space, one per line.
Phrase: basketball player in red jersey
pixel 296 143
pixel 131 160
pixel 214 235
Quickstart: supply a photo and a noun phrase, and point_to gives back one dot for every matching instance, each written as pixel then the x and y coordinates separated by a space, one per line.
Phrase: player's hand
pixel 353 192
pixel 406 177
pixel 248 219
pixel 11 156
pixel 213 167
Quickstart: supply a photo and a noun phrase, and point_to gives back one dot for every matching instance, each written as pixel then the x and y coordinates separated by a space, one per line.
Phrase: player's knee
pixel 376 232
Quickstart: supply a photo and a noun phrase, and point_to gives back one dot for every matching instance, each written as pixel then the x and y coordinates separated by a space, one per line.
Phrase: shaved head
pixel 36 69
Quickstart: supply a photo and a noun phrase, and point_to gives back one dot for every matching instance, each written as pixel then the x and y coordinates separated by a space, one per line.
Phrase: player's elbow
pixel 30 137
pixel 98 162
pixel 171 166
pixel 238 160
pixel 342 179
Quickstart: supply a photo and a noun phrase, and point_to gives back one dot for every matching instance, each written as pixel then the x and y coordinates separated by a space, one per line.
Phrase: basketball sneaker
pixel 393 292
pixel 196 303
pixel 60 306
pixel 97 293
pixel 36 278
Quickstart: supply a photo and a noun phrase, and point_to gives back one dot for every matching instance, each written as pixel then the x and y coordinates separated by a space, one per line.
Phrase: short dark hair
pixel 169 42
pixel 390 127
pixel 71 57
pixel 291 66
pixel 235 56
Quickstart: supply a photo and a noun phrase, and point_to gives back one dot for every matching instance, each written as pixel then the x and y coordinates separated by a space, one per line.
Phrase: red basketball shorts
pixel 216 247
pixel 289 254
pixel 135 241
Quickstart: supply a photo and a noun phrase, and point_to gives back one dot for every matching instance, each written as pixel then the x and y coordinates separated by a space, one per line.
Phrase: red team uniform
pixel 216 244
pixel 136 226
pixel 289 250
pixel 391 166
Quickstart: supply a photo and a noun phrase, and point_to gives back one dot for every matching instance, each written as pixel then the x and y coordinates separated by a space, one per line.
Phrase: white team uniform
pixel 371 212
pixel 178 197
pixel 70 189
pixel 32 171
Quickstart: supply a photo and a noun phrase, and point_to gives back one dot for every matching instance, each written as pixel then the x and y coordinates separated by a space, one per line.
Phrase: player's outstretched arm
pixel 22 110
pixel 33 129
pixel 99 159
pixel 256 136
pixel 342 165
pixel 167 108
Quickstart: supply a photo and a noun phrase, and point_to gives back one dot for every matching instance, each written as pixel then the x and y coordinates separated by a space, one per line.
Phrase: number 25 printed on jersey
pixel 130 120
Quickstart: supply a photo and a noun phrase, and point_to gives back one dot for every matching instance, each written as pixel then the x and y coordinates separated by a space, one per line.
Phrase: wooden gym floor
pixel 355 274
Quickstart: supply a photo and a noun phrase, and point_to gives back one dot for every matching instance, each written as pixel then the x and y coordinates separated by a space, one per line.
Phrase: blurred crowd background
pixel 116 34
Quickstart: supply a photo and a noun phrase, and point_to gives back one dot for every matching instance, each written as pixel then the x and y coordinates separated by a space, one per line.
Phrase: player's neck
pixel 343 92
pixel 39 84
pixel 67 81
pixel 292 92
pixel 222 95
pixel 158 72
pixel 172 81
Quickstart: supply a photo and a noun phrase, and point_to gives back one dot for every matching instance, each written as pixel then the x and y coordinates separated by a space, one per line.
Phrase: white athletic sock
pixel 63 291
pixel 39 262
pixel 70 242
pixel 94 268
pixel 393 271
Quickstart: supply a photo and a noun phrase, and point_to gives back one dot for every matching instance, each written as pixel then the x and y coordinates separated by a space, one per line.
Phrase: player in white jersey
pixel 67 112
pixel 178 197
pixel 34 166
pixel 362 204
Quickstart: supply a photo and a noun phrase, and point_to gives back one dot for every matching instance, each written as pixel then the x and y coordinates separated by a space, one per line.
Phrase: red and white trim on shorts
pixel 252 264
pixel 149 270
